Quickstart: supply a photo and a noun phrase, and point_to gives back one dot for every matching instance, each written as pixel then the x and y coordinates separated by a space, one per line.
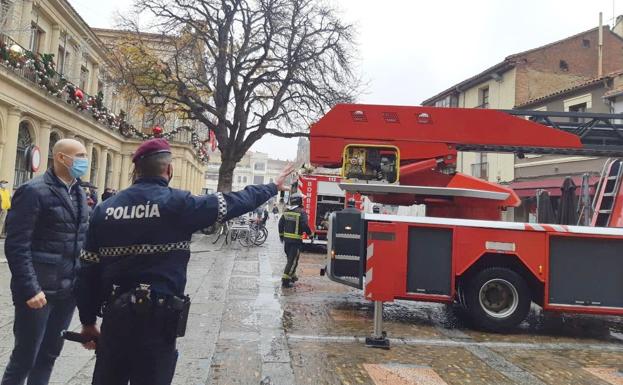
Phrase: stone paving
pixel 244 329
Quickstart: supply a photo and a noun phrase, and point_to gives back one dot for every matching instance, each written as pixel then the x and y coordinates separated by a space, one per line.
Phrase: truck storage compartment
pixel 429 263
pixel 586 271
pixel 345 248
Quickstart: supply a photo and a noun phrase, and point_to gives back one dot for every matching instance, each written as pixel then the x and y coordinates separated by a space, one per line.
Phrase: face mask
pixel 78 167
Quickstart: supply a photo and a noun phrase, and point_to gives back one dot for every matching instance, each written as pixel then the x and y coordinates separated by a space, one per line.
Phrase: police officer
pixel 134 267
pixel 292 225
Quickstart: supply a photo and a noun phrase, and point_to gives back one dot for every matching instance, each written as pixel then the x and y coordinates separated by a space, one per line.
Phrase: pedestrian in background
pixel 276 211
pixel 46 228
pixel 135 263
pixel 5 203
pixel 292 224
pixel 107 193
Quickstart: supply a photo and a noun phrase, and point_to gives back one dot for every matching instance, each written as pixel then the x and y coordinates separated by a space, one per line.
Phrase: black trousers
pixel 38 341
pixel 138 349
pixel 293 251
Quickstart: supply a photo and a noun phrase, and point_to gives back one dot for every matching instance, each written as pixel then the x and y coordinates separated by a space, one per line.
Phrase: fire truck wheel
pixel 497 299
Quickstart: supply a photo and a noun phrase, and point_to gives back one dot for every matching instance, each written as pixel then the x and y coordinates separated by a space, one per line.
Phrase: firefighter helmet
pixel 296 199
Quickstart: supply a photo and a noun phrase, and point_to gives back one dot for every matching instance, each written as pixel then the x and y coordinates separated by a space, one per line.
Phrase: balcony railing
pixel 40 70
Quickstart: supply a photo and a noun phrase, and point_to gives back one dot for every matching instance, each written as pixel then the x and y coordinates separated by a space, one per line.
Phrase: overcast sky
pixel 410 49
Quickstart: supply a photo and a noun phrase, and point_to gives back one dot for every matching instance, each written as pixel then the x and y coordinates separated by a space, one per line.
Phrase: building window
pixel 239 179
pixel 154 117
pixel 259 166
pixel 483 97
pixel 84 75
pixel 211 176
pixel 108 180
pixel 480 169
pixel 244 179
pixel 448 101
pixel 5 11
pixel 586 43
pixel 54 137
pixel 564 66
pixel 36 38
pixel 22 167
pixel 60 59
pixel 577 108
pixel 258 179
pixel 94 165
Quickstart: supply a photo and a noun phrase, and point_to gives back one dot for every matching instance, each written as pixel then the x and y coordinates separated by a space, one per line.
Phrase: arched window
pixel 54 137
pixel 108 172
pixel 22 165
pixel 94 165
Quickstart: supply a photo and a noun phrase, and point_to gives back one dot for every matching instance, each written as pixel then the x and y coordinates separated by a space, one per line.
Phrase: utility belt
pixel 143 302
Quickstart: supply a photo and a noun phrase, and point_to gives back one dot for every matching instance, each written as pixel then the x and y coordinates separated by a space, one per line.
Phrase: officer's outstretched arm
pixel 201 212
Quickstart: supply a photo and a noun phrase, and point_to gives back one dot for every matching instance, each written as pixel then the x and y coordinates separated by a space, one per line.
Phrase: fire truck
pixel 322 196
pixel 461 252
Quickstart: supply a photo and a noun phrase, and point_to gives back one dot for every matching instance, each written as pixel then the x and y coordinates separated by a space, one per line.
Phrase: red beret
pixel 150 147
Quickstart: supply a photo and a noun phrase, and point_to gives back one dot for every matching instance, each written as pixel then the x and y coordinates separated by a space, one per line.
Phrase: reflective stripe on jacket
pixel 292 220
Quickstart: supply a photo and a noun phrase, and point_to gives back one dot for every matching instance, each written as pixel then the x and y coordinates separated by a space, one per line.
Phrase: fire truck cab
pixel 322 196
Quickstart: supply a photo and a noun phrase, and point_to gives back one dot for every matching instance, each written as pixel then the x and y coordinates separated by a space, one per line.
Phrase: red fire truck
pixel 322 196
pixel 461 253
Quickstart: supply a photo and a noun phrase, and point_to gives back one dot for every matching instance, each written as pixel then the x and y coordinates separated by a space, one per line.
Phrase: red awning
pixel 527 189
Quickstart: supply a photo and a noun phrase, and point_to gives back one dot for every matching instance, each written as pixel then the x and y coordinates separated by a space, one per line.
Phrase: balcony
pixel 40 70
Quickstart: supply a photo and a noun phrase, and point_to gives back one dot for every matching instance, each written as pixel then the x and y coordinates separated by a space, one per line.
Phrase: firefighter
pixel 134 267
pixel 292 224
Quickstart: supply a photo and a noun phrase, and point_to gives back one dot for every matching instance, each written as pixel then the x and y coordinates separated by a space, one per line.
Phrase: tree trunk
pixel 226 175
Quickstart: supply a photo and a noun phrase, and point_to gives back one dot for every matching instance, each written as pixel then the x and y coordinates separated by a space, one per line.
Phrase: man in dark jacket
pixel 292 224
pixel 46 229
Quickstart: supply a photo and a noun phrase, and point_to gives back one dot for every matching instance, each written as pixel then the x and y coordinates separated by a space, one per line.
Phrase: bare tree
pixel 243 68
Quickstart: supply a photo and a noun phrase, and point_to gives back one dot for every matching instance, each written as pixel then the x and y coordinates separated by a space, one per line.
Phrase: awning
pixel 528 189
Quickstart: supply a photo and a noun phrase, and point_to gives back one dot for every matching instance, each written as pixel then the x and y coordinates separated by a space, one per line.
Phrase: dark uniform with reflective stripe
pixel 134 271
pixel 292 225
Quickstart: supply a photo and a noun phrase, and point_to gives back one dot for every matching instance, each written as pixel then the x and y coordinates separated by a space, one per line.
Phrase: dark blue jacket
pixel 142 235
pixel 44 237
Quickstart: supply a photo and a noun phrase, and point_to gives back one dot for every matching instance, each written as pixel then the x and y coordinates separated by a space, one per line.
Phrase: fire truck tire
pixel 497 299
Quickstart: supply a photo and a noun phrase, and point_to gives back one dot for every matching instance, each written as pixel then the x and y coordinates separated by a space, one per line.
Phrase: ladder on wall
pixel 606 193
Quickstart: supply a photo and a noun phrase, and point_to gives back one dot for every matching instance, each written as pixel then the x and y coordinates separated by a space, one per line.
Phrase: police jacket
pixel 142 236
pixel 292 224
pixel 46 229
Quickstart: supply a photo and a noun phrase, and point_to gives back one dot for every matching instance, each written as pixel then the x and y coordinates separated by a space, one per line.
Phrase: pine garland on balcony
pixel 46 77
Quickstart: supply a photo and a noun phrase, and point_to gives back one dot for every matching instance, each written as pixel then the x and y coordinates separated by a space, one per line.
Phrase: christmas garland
pixel 46 77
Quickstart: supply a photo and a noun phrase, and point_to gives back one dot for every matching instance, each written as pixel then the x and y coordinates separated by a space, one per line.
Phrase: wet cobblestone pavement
pixel 244 328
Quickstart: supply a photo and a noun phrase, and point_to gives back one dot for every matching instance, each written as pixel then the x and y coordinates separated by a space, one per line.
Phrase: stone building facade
pixel 33 115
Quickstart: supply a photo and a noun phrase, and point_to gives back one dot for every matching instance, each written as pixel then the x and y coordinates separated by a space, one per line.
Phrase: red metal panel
pixel 530 248
pixel 386 266
pixel 445 127
pixel 616 218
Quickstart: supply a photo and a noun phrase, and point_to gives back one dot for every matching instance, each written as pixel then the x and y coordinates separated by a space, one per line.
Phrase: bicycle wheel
pixel 218 234
pixel 246 238
pixel 262 235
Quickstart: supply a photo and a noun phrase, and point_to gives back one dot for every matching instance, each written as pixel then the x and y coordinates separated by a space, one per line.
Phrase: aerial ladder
pixel 461 252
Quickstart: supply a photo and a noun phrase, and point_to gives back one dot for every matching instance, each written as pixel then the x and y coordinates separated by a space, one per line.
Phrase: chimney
pixel 600 52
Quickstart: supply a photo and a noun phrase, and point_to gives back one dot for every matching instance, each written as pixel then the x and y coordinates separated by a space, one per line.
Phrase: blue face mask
pixel 79 167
